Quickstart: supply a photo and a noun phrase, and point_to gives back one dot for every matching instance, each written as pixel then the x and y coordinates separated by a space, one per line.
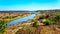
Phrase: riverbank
pixel 13 15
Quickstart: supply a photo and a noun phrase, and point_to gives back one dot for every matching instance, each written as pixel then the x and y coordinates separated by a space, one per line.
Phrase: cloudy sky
pixel 29 4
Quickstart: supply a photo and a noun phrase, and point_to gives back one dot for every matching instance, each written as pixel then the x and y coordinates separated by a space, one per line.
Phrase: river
pixel 20 20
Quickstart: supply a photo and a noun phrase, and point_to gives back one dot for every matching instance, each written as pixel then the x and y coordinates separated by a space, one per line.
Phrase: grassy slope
pixel 40 28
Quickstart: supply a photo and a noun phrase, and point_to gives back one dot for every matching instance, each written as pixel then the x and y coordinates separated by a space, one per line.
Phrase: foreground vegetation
pixel 3 26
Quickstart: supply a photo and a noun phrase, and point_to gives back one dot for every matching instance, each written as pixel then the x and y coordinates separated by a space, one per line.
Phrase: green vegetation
pixel 41 17
pixel 56 16
pixel 50 19
pixel 35 22
pixel 9 17
pixel 47 22
pixel 3 26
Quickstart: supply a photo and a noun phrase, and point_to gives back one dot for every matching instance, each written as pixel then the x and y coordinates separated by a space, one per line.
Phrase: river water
pixel 20 20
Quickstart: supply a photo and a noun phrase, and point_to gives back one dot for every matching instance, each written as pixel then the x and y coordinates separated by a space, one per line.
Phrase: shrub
pixel 3 25
pixel 35 22
pixel 7 17
pixel 56 16
pixel 47 22
pixel 41 17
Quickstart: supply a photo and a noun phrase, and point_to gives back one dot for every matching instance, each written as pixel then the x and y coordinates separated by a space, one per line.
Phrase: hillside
pixel 45 22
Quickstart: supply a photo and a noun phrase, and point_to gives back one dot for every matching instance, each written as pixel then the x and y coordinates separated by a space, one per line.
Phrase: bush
pixel 3 25
pixel 47 22
pixel 35 23
pixel 41 17
pixel 56 16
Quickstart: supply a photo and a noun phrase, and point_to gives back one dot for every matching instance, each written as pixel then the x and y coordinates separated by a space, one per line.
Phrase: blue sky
pixel 29 4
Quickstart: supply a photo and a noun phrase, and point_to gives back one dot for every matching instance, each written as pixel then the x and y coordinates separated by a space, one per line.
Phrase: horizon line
pixel 29 10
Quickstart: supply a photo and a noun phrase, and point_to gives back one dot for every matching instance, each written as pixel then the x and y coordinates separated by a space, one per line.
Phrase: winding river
pixel 20 20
